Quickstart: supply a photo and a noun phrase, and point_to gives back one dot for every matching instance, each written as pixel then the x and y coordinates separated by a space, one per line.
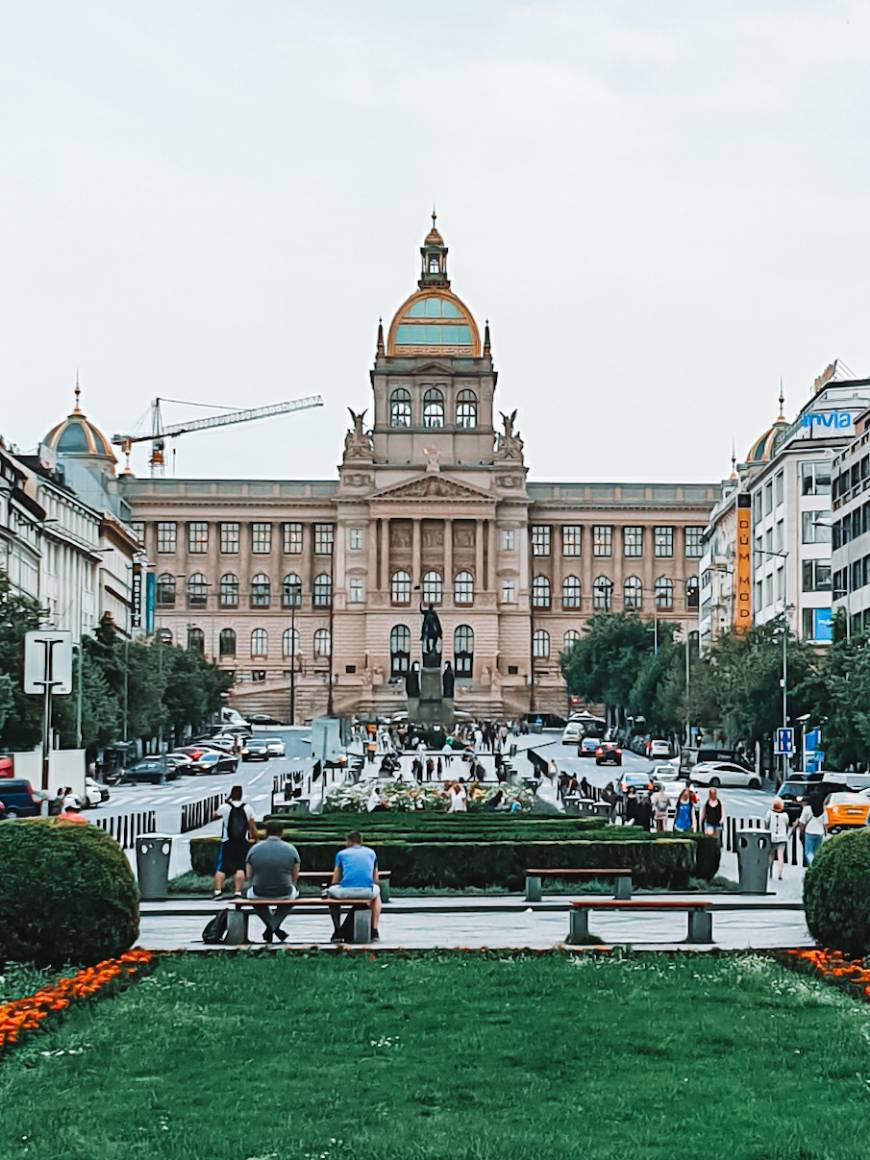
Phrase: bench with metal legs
pixel 243 908
pixel 622 879
pixel 700 916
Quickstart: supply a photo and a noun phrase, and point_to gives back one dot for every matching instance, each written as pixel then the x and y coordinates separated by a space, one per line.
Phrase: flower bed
pixel 401 796
pixel 21 1016
pixel 850 975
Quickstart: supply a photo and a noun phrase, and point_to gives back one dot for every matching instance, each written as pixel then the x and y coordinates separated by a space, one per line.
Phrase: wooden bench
pixel 620 875
pixel 243 908
pixel 325 877
pixel 700 916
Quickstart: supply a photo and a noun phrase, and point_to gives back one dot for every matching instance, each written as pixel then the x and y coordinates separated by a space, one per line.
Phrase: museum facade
pixel 432 503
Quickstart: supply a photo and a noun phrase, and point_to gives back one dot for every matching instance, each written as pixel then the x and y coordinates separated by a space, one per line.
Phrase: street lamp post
pixel 294 593
pixel 784 679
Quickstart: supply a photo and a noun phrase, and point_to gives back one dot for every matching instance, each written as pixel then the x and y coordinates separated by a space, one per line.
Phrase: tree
pixel 20 714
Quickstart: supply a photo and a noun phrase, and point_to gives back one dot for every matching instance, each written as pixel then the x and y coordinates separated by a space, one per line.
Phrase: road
pixel 739 803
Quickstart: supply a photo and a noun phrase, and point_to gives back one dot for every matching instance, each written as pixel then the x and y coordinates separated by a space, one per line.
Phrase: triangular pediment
pixel 432 366
pixel 433 485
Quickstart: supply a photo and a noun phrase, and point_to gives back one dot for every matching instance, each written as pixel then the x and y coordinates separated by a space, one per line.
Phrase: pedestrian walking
pixel 713 815
pixel 661 805
pixel 430 768
pixel 811 824
pixel 609 795
pixel 238 831
pixel 684 819
pixel 776 820
pixel 457 798
pixel 371 750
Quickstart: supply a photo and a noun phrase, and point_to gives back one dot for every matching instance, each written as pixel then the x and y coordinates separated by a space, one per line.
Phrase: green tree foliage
pixel 838 693
pixel 20 715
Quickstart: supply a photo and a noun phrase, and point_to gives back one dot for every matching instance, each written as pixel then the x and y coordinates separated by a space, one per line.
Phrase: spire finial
pixel 434 216
pixel 487 345
pixel 781 400
pixel 380 348
pixel 733 459
pixel 78 391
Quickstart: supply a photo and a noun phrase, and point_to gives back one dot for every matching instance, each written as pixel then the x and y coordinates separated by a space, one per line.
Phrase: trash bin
pixel 753 860
pixel 153 852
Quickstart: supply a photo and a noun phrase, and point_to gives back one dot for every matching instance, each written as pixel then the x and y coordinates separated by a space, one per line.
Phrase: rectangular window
pixel 758 596
pixel 816 477
pixel 813 528
pixel 780 582
pixel 694 543
pixel 768 497
pixel 166 537
pixel 261 539
pixel 602 540
pixel 779 535
pixel 664 541
pixel 230 539
pixel 355 590
pixel 292 539
pixel 540 539
pixel 632 541
pixel 355 539
pixel 778 481
pixel 323 539
pixel 768 540
pixel 768 590
pixel 508 539
pixel 138 529
pixel 816 576
pixel 197 537
pixel 509 591
pixel 756 508
pixel 571 536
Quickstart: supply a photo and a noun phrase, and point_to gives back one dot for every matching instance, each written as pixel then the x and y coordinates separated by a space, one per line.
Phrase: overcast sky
pixel 660 207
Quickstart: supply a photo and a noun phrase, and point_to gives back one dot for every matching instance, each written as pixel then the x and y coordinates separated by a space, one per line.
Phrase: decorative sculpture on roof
pixel 358 441
pixel 509 443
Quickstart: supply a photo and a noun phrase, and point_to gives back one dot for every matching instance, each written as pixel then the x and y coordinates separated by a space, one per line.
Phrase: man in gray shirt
pixel 272 869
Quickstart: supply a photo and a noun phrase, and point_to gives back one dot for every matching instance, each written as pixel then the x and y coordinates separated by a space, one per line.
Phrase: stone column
pixel 384 555
pixel 415 552
pixel 479 579
pixel 448 558
pixel 491 580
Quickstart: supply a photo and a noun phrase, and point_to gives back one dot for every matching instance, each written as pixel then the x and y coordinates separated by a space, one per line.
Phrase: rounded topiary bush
pixel 67 894
pixel 837 893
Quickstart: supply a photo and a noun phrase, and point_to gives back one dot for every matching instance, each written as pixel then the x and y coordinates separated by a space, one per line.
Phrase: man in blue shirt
pixel 355 876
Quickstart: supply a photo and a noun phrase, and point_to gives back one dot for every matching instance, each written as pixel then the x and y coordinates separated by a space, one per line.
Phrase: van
pixel 18 798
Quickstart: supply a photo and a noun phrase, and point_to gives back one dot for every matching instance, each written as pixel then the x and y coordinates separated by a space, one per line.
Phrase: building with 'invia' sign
pixel 433 503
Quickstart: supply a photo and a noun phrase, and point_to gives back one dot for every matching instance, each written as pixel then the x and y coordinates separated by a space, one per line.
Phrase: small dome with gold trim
pixel 77 435
pixel 768 441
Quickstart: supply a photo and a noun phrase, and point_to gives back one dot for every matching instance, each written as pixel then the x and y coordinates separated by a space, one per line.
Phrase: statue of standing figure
pixel 448 681
pixel 430 637
pixel 412 681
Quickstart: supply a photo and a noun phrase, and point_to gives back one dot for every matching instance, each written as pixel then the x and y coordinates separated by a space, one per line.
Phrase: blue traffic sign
pixel 784 742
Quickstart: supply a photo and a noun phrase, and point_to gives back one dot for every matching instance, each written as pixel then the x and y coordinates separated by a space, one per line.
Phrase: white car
pixel 275 746
pixel 726 773
pixel 93 793
pixel 572 734
pixel 663 773
pixel 658 749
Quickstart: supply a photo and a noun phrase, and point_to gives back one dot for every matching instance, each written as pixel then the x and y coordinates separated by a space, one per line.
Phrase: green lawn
pixel 284 1057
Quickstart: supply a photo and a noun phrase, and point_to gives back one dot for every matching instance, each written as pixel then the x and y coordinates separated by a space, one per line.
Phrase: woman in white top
pixel 458 798
pixel 812 825
pixel 776 820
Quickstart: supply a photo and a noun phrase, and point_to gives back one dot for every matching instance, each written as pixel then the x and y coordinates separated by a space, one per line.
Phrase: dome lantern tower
pixel 433 271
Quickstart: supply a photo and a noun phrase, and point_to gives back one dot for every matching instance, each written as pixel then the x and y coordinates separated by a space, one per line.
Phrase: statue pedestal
pixel 431 710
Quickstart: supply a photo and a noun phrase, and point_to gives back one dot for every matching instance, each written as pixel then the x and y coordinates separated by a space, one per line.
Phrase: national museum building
pixel 432 501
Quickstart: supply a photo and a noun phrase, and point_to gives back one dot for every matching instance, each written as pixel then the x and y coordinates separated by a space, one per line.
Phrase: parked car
pixel 262 719
pixel 222 741
pixel 195 752
pixel 180 763
pixel 7 765
pixel 19 799
pixel 640 782
pixel 587 746
pixel 727 773
pixel 151 770
pixel 572 733
pixel 215 763
pixel 275 746
pixel 656 749
pixel 256 749
pixel 608 753
pixel 846 811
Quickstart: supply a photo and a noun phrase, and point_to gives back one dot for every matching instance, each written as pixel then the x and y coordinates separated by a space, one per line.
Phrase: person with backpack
pixel 237 833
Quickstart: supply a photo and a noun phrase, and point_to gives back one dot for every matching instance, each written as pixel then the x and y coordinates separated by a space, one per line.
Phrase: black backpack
pixel 237 825
pixel 216 928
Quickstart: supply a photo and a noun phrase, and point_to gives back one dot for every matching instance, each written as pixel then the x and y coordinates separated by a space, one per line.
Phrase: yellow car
pixel 845 811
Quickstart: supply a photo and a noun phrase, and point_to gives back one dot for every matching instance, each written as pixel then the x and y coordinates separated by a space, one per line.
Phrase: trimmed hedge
pixel 67 894
pixel 665 862
pixel 837 893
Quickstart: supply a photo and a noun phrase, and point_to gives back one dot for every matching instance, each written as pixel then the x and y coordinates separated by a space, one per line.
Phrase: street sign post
pixel 784 742
pixel 47 670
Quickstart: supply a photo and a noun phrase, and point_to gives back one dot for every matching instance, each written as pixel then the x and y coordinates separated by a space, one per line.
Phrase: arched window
pixel 286 637
pixel 664 594
pixel 434 267
pixel 602 594
pixel 400 408
pixel 164 635
pixel 571 592
pixel 463 650
pixel 261 591
pixel 400 588
pixel 632 594
pixel 692 593
pixel 195 639
pixel 228 591
pixel 433 588
pixel 540 592
pixel 227 642
pixel 433 408
pixel 291 591
pixel 322 644
pixel 463 588
pixel 322 590
pixel 466 409
pixel 541 645
pixel 570 638
pixel 197 587
pixel 259 643
pixel 400 650
pixel 165 590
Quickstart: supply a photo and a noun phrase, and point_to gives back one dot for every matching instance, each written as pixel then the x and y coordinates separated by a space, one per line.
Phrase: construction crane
pixel 159 433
